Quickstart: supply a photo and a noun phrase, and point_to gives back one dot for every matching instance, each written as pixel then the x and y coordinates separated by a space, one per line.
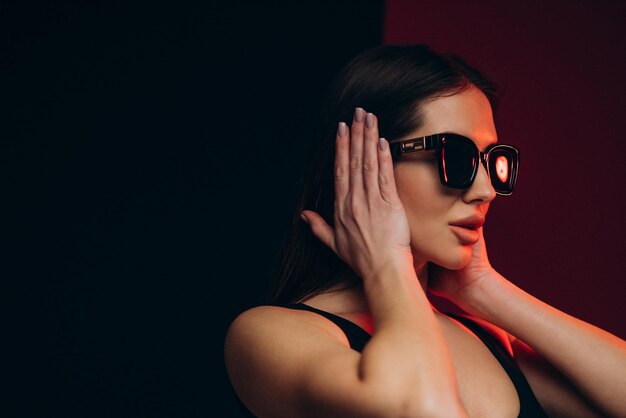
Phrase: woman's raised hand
pixel 458 285
pixel 371 229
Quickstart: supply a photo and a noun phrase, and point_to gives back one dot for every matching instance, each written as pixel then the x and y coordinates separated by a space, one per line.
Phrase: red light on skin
pixel 502 168
pixel 443 160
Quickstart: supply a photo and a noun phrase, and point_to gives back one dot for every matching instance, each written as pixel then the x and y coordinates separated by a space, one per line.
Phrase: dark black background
pixel 150 161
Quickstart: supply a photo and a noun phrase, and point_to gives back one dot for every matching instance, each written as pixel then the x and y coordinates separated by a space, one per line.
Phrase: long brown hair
pixel 391 81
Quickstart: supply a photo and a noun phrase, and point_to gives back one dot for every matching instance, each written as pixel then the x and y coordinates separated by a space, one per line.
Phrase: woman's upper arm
pixel 290 364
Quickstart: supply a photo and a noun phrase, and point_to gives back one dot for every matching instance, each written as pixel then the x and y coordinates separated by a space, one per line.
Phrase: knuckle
pixel 355 207
pixel 383 178
pixel 338 209
pixel 369 165
pixel 355 162
pixel 342 224
pixel 340 173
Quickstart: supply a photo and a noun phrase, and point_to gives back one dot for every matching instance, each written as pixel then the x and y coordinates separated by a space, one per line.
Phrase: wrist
pixel 477 298
pixel 398 263
pixel 395 291
pixel 393 274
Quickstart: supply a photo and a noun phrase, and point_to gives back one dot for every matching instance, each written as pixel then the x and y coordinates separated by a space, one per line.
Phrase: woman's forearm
pixel 592 359
pixel 407 352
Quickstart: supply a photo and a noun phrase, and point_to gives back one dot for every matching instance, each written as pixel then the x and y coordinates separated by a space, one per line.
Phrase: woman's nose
pixel 481 190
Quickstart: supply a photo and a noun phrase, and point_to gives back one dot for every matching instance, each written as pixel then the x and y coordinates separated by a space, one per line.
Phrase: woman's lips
pixel 465 235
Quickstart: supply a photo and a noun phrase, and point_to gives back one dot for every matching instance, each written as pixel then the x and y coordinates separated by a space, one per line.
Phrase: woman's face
pixel 432 208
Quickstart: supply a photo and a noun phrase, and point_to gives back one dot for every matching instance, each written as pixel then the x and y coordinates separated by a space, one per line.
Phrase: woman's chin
pixel 451 257
pixel 455 259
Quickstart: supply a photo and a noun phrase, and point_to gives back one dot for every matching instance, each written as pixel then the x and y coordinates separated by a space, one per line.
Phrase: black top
pixel 358 337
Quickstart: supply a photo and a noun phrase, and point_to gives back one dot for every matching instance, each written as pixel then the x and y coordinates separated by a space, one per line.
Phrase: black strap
pixel 357 336
pixel 529 405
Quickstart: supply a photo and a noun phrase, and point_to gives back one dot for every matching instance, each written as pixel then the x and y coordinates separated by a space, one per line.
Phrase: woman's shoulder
pixel 279 323
pixel 275 348
pixel 267 315
pixel 259 314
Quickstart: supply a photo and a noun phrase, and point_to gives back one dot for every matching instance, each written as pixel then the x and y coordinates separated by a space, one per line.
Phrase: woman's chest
pixel 484 386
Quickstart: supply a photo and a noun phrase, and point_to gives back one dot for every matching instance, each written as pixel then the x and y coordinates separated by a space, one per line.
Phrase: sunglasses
pixel 458 157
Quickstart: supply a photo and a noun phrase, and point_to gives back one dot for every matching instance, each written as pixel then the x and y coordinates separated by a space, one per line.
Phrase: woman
pixel 350 331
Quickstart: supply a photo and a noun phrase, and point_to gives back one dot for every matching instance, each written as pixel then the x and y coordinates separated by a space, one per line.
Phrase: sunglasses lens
pixel 503 169
pixel 458 159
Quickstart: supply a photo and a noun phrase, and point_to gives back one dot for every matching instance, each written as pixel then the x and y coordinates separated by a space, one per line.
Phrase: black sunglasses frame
pixel 399 147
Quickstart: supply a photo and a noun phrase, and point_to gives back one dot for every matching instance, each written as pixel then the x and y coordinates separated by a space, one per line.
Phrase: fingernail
pixel 304 218
pixel 369 120
pixel 343 129
pixel 382 143
pixel 359 114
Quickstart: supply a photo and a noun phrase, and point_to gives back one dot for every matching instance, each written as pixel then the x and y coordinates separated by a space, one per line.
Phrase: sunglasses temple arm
pixel 405 146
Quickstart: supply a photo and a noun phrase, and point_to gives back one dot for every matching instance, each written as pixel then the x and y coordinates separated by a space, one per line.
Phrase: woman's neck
pixel 339 300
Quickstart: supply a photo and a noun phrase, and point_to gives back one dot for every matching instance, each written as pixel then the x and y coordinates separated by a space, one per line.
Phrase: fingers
pixel 356 153
pixel 363 164
pixel 370 157
pixel 364 181
pixel 320 229
pixel 386 177
pixel 342 162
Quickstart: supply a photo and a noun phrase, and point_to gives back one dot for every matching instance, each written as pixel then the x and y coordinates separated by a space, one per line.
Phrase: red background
pixel 561 67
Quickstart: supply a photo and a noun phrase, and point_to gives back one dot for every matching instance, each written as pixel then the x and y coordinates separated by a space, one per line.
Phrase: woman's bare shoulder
pixel 271 352
pixel 282 323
